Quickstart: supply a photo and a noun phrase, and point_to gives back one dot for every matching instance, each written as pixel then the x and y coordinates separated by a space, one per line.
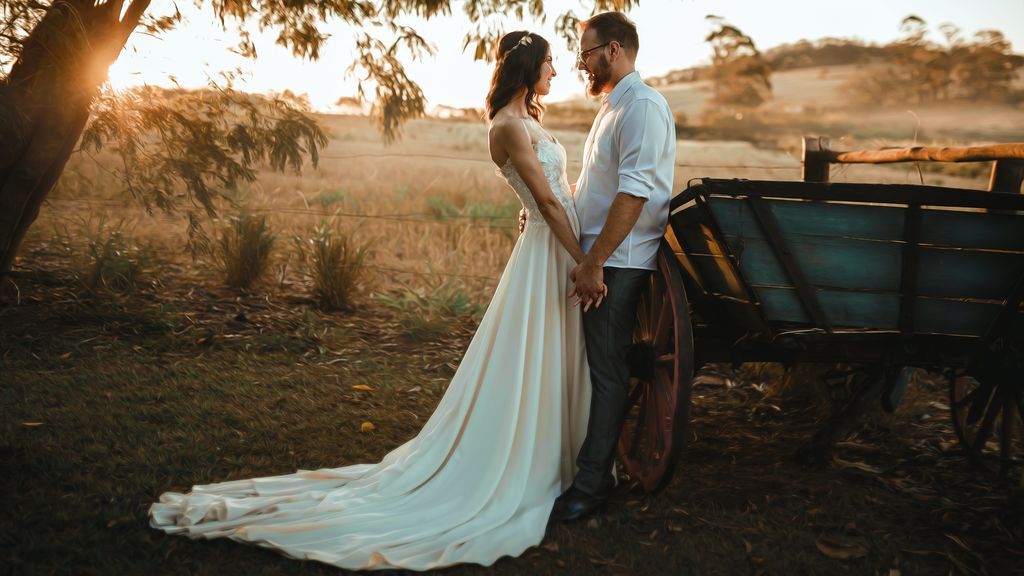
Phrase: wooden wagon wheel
pixel 987 410
pixel 661 364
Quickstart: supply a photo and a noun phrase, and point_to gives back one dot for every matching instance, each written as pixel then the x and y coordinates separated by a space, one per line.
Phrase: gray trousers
pixel 609 334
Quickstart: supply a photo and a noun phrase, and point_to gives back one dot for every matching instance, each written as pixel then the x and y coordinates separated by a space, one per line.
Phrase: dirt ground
pixel 106 401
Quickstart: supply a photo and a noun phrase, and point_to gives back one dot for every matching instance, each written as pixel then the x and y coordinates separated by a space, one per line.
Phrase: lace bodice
pixel 552 159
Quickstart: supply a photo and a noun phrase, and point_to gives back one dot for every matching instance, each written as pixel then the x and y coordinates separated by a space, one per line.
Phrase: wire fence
pixel 572 161
pixel 481 221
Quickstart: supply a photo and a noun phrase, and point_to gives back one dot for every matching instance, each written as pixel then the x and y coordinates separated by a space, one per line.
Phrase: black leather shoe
pixel 574 504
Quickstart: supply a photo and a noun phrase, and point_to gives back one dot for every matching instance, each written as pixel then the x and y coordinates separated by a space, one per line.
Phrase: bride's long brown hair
pixel 518 66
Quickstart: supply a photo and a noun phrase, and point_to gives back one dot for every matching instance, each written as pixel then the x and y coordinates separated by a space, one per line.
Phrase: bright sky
pixel 671 37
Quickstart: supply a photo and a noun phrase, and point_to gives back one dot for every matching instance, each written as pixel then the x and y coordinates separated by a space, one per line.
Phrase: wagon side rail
pixel 1007 160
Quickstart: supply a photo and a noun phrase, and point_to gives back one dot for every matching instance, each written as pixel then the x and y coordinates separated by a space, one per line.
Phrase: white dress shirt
pixel 631 149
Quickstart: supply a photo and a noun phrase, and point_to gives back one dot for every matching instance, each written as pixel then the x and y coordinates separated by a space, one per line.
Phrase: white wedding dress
pixel 479 480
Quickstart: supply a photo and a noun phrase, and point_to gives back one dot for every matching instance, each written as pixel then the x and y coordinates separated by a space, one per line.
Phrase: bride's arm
pixel 517 143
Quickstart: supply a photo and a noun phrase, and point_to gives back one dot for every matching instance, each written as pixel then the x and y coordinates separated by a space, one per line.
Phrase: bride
pixel 479 480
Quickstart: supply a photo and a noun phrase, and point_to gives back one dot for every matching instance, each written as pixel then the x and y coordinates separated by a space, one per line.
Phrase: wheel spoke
pixel 1007 432
pixel 987 424
pixel 642 331
pixel 965 399
pixel 640 422
pixel 981 402
pixel 663 329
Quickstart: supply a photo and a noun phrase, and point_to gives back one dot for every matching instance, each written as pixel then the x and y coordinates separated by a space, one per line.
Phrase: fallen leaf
pixel 748 546
pixel 938 405
pixel 363 387
pixel 119 521
pixel 855 465
pixel 32 424
pixel 551 547
pixel 958 541
pixel 65 356
pixel 834 549
pixel 366 427
pixel 415 389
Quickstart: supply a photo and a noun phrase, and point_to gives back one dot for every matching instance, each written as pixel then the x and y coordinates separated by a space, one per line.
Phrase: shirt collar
pixel 623 86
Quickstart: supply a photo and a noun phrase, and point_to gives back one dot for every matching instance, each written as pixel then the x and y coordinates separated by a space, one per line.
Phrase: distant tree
pixel 916 71
pixel 741 75
pixel 986 68
pixel 54 58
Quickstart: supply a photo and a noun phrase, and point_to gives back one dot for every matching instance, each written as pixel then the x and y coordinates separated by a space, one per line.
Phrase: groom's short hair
pixel 613 26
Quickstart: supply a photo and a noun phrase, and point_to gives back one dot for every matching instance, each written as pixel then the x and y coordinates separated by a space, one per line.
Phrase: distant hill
pixel 801 54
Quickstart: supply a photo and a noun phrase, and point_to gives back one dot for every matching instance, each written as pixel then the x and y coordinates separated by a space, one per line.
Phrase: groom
pixel 622 199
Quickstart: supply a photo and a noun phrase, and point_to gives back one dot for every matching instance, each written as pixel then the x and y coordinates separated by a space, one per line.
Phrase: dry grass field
pixel 111 394
pixel 430 208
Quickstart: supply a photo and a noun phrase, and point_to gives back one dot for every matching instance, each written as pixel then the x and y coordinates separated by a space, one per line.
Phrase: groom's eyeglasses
pixel 581 56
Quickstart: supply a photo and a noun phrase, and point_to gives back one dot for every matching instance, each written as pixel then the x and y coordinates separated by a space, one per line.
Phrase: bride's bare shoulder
pixel 505 128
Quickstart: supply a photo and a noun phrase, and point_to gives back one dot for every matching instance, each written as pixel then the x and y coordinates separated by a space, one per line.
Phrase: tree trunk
pixel 45 104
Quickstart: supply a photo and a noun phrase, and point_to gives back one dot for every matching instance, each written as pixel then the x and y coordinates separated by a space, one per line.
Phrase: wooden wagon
pixel 883 277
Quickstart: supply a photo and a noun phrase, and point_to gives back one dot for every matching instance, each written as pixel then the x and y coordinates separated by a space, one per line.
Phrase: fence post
pixel 815 164
pixel 1007 175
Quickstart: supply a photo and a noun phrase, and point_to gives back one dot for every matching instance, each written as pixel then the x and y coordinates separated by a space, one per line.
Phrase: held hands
pixel 522 220
pixel 589 288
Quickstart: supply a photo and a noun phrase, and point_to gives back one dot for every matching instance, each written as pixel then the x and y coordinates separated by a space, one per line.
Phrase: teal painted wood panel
pixel 815 219
pixel 781 305
pixel 825 262
pixel 951 317
pixel 757 261
pixel 843 309
pixel 966 274
pixel 993 231
pixel 861 309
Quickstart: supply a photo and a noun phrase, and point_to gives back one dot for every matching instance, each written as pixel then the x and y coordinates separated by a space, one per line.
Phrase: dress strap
pixel 548 137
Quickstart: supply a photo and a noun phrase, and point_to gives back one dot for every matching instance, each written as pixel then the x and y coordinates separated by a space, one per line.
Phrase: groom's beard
pixel 602 75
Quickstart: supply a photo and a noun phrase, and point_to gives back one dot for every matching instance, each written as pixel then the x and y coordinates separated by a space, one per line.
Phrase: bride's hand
pixel 522 220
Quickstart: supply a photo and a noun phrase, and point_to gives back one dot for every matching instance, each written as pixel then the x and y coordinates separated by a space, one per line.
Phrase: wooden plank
pixel 782 305
pixel 782 251
pixel 719 278
pixel 812 219
pixel 965 274
pixel 908 283
pixel 951 317
pixel 928 154
pixel 825 262
pixel 870 193
pixel 991 230
pixel 695 278
pixel 861 309
pixel 877 311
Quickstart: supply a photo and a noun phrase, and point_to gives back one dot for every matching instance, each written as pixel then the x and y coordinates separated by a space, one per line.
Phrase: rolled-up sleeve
pixel 642 134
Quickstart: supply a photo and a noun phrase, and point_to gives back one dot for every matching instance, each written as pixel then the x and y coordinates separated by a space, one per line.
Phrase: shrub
pixel 336 265
pixel 114 263
pixel 244 250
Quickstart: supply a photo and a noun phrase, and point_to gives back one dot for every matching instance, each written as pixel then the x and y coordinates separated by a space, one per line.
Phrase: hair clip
pixel 526 40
